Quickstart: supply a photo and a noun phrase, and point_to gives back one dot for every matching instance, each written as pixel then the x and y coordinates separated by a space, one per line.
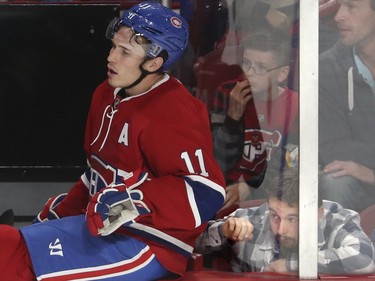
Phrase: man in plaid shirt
pixel 265 238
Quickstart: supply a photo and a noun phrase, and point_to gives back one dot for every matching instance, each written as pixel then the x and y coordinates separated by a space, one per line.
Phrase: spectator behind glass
pixel 218 54
pixel 266 238
pixel 254 120
pixel 347 108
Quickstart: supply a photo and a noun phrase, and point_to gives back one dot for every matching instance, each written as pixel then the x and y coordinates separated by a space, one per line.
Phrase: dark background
pixel 51 60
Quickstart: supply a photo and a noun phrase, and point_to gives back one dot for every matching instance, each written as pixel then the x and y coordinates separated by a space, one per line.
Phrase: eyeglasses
pixel 258 70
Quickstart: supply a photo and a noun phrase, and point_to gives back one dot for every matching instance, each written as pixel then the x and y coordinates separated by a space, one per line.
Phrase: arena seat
pixel 368 221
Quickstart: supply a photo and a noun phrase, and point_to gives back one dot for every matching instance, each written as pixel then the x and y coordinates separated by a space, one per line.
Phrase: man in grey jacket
pixel 347 108
pixel 265 238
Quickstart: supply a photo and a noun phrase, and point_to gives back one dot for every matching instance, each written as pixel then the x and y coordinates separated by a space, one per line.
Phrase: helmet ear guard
pixel 154 50
pixel 115 25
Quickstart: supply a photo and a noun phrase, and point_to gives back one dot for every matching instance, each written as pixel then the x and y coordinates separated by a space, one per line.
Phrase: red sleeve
pixel 188 188
pixel 75 202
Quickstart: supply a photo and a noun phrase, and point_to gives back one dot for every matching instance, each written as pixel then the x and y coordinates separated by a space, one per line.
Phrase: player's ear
pixel 154 64
pixel 283 74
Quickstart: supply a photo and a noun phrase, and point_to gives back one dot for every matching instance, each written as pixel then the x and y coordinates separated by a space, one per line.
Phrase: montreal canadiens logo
pixel 176 22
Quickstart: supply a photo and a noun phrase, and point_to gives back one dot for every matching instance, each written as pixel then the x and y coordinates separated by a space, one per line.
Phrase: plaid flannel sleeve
pixel 347 248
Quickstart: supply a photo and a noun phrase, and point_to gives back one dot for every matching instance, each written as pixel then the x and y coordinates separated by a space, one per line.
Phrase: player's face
pixel 256 65
pixel 124 59
pixel 284 223
pixel 355 21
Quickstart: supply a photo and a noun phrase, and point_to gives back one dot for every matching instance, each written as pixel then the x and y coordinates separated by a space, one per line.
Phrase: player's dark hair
pixel 285 187
pixel 271 39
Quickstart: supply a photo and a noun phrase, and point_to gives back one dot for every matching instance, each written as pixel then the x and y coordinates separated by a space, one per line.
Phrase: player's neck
pixel 145 84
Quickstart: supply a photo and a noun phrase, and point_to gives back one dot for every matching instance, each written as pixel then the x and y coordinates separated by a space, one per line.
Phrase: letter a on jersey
pixel 124 135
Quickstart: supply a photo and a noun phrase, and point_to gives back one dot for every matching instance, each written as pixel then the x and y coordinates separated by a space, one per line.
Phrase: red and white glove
pixel 48 211
pixel 116 205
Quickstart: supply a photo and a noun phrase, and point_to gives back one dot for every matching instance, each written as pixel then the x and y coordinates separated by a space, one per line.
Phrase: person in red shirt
pixel 255 117
pixel 152 182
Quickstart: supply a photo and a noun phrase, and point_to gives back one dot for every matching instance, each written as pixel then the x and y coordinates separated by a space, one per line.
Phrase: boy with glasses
pixel 254 117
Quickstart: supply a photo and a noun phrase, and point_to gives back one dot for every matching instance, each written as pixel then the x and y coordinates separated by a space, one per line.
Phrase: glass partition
pixel 267 108
pixel 243 63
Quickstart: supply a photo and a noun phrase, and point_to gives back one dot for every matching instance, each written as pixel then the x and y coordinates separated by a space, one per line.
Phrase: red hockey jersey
pixel 267 126
pixel 165 132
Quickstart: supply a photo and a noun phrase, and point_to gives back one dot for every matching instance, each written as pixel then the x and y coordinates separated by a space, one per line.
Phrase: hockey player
pixel 152 182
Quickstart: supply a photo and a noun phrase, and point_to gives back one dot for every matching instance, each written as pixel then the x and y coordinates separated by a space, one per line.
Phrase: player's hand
pixel 350 168
pixel 116 205
pixel 238 99
pixel 237 229
pixel 48 212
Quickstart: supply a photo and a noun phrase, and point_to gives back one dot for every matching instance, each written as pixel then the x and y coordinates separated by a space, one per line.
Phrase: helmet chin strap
pixel 144 73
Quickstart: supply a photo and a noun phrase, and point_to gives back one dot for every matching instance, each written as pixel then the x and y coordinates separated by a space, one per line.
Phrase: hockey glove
pixel 116 205
pixel 48 212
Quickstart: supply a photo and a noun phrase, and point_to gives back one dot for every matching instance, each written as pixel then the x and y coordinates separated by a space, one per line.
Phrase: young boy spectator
pixel 152 182
pixel 347 108
pixel 255 117
pixel 265 238
pixel 228 23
